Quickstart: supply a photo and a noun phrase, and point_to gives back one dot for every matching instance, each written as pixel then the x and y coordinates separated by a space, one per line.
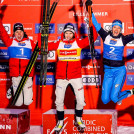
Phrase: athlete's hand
pixel 88 3
pixel 2 10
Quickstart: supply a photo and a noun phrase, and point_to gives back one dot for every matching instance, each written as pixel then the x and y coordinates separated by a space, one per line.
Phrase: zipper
pixel 66 70
pixel 19 68
pixel 67 64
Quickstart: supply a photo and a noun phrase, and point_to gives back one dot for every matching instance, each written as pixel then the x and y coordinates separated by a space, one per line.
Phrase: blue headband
pixel 117 24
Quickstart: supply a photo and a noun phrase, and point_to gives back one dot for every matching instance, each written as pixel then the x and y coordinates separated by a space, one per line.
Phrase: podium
pixel 14 121
pixel 96 121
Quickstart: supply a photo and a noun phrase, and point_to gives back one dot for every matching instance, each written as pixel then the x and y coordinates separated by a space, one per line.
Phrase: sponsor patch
pixel 68 52
pixel 113 41
pixel 67 45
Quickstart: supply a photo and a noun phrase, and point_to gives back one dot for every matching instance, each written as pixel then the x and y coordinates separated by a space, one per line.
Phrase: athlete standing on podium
pixel 20 48
pixel 68 71
pixel 114 67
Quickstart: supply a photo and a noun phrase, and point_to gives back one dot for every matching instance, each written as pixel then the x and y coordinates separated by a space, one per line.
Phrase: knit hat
pixel 69 27
pixel 18 26
pixel 117 23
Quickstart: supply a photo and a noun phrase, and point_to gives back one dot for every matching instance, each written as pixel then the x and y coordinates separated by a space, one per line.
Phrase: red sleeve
pixel 33 45
pixel 4 36
pixel 85 42
pixel 82 43
pixel 51 45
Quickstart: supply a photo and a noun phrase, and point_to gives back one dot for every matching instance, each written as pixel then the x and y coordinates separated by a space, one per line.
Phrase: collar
pixel 120 34
pixel 71 41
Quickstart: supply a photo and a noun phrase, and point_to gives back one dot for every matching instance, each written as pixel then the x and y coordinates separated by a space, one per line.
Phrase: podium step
pixel 96 121
pixel 14 121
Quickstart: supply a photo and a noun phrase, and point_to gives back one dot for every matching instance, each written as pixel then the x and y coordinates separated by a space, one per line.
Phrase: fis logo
pixel 51 28
pixel 50 67
pixel 4 67
pixel 4 54
pixel 130 79
pixel 130 53
pixel 50 80
pixel 98 41
pixel 130 67
pixel 63 130
pixel 86 54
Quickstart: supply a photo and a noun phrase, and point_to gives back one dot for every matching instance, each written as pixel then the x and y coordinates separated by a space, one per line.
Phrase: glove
pixel 88 3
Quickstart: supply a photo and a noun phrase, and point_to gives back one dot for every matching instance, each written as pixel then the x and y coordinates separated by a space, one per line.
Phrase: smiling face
pixel 19 34
pixel 116 30
pixel 68 35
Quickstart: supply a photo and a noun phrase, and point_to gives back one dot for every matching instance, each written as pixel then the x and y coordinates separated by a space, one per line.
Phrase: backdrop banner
pixel 28 13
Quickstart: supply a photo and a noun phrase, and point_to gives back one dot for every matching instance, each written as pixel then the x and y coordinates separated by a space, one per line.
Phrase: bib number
pixel 112 49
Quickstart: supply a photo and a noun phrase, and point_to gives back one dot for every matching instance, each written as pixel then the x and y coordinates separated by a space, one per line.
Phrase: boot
pixel 80 123
pixel 59 125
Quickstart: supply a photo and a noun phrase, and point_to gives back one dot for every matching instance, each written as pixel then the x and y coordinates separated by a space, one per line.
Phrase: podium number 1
pixel 22 51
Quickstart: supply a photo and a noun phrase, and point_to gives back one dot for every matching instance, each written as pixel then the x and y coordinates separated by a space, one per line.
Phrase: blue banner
pixel 130 79
pixel 51 28
pixel 49 81
pixel 86 54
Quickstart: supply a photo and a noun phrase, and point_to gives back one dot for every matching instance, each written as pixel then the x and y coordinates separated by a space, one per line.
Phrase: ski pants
pixel 26 95
pixel 113 82
pixel 61 85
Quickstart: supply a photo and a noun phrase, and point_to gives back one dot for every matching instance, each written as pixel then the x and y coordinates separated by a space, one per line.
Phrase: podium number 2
pixel 112 49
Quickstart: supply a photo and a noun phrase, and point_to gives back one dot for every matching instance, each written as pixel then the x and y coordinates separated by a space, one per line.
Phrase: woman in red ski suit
pixel 20 48
pixel 68 71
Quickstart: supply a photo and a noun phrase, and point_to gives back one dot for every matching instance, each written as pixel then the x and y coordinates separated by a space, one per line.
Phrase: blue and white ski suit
pixel 114 68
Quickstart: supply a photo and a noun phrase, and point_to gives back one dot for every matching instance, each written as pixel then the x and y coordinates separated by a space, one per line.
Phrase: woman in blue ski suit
pixel 114 67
